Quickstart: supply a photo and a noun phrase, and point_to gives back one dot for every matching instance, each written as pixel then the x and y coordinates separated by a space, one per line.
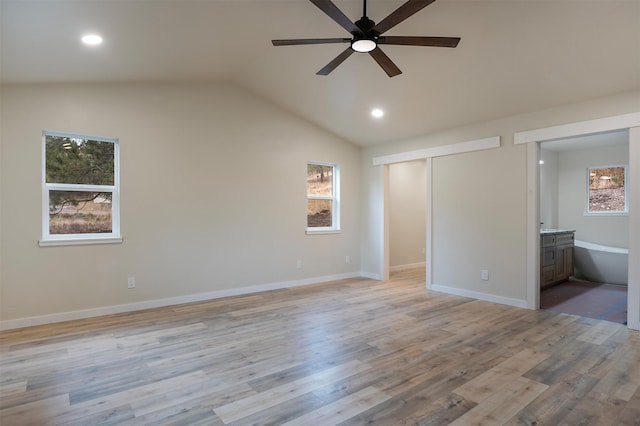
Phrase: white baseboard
pixel 371 276
pixel 518 303
pixel 408 266
pixel 200 297
pixel 169 301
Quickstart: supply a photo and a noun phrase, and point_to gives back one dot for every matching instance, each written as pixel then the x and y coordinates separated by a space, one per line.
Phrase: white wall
pixel 572 178
pixel 220 204
pixel 213 196
pixel 479 201
pixel 549 189
pixel 407 213
pixel 476 208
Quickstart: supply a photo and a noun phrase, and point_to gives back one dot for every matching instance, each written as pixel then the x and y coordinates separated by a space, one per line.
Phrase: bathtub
pixel 603 264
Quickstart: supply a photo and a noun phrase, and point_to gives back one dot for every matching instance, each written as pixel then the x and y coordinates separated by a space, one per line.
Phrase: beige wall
pixel 407 213
pixel 572 178
pixel 212 193
pixel 213 197
pixel 549 189
pixel 479 200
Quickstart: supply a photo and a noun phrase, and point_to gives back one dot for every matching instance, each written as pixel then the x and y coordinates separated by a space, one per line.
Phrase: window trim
pixel 114 236
pixel 625 212
pixel 335 204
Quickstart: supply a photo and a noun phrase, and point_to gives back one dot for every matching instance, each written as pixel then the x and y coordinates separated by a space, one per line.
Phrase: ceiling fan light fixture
pixel 363 45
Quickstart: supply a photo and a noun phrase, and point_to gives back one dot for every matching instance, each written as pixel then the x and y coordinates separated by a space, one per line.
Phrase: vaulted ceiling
pixel 515 56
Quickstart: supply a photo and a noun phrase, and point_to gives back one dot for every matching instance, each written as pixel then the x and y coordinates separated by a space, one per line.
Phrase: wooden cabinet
pixel 564 256
pixel 556 257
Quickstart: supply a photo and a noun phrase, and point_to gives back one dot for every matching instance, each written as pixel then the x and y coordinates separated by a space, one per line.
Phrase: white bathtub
pixel 603 264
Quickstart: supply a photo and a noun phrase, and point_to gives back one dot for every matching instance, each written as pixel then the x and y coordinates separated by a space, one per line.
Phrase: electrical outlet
pixel 299 264
pixel 424 250
pixel 484 275
pixel 131 282
pixel 347 259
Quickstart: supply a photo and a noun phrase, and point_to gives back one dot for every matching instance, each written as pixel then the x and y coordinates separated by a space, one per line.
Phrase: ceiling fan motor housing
pixel 366 39
pixel 365 24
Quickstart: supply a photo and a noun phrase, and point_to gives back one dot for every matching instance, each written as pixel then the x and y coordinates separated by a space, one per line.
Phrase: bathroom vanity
pixel 556 256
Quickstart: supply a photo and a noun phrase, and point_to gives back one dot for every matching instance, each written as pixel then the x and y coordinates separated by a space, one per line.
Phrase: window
pixel 607 190
pixel 323 205
pixel 80 193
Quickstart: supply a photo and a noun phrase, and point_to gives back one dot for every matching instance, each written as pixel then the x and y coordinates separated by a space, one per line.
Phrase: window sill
pixel 605 214
pixel 80 241
pixel 324 231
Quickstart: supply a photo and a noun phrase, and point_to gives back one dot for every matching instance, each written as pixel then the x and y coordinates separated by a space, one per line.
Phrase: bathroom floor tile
pixel 594 300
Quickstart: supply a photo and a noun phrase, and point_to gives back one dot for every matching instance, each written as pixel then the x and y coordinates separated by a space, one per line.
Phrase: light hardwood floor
pixel 349 352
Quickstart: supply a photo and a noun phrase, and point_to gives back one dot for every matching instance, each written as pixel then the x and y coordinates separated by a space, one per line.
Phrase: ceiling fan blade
pixel 420 41
pixel 385 63
pixel 401 13
pixel 336 14
pixel 297 41
pixel 337 61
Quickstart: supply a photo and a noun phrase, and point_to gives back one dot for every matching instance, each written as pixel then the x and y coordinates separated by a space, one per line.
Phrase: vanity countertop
pixel 546 231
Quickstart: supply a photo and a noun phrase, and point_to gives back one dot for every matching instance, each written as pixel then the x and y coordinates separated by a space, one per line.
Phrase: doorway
pixel 595 210
pixel 426 155
pixel 407 215
pixel 630 122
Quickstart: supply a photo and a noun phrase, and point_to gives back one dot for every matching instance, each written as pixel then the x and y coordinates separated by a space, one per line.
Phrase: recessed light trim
pixel 92 39
pixel 377 113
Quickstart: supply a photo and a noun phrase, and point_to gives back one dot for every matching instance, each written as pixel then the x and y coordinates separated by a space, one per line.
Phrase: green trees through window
pixel 322 199
pixel 79 161
pixel 80 184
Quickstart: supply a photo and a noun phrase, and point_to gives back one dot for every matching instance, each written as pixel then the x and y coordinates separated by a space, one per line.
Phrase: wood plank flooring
pixel 350 352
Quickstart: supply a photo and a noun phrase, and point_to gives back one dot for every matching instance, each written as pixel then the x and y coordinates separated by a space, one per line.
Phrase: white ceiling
pixel 515 56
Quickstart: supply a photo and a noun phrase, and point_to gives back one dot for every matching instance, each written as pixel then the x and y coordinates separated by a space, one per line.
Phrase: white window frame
pixel 81 239
pixel 625 212
pixel 335 198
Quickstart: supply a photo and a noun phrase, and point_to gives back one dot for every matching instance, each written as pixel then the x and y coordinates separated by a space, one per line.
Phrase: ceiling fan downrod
pixel 365 25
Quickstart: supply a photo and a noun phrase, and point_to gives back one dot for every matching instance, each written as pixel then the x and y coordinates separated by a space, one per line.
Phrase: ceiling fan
pixel 366 35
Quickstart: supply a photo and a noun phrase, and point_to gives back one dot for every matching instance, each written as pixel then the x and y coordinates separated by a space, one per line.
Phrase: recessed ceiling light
pixel 377 113
pixel 92 39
